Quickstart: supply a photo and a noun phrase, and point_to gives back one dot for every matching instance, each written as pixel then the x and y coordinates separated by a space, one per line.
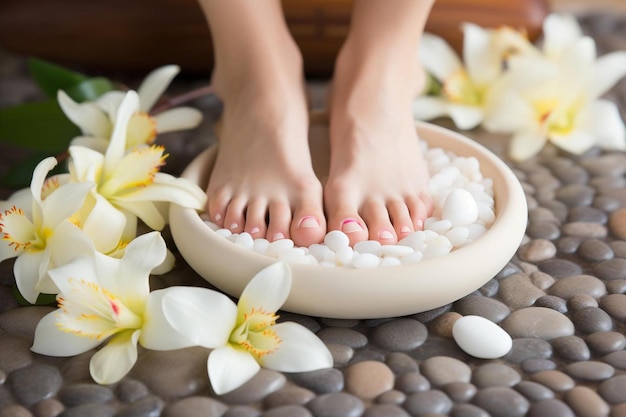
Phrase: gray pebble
pixel 23 320
pixel 468 410
pixel 34 383
pixel 585 402
pixel 428 402
pixel 568 287
pixel 531 366
pixel 587 214
pixel 534 391
pixel 50 407
pixel 541 280
pixel 542 214
pixel 555 380
pixel 537 322
pixel 330 322
pixel 14 410
pixel 501 402
pixel 129 390
pixel 336 405
pixel 430 315
pixel 241 411
pixel 585 229
pixel 616 359
pixel 590 370
pixel 550 407
pixel 84 394
pixel 385 410
pixel 460 392
pixel 261 385
pixel 343 336
pixel 369 353
pixel 605 165
pixel 580 301
pixel 619 248
pixel 486 307
pixel 615 306
pixel 571 348
pixel 553 302
pixel 558 208
pixel 91 410
pixel 393 396
pixel 15 352
pixel 321 381
pixel 595 250
pixel 341 353
pixel 537 250
pixel 616 286
pixel 412 382
pixel 442 370
pixel 518 291
pixel 560 268
pixel 195 406
pixel 148 406
pixel 288 395
pixel 592 319
pixel 490 288
pixel 543 230
pixel 439 346
pixel 401 363
pixel 607 203
pixel 613 390
pixel 606 342
pixel 288 411
pixel 568 245
pixel 575 195
pixel 400 335
pixel 525 348
pixel 495 374
pixel 571 174
pixel 612 269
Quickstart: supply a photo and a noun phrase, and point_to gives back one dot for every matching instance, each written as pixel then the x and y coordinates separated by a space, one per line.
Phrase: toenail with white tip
pixel 309 222
pixel 233 226
pixel 351 226
pixel 385 235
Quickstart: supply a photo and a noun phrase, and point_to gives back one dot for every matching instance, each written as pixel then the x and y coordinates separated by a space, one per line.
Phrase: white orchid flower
pixel 97 119
pixel 245 337
pixel 556 97
pixel 107 300
pixel 465 86
pixel 128 186
pixel 39 235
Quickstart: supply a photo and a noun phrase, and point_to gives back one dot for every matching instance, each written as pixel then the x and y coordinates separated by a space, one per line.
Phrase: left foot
pixel 377 186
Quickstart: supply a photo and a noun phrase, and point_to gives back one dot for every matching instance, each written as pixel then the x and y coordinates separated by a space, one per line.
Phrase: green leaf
pixel 51 77
pixel 21 172
pixel 42 299
pixel 90 89
pixel 38 126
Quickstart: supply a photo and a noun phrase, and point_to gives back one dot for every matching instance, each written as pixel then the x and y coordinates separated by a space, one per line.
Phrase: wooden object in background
pixel 135 35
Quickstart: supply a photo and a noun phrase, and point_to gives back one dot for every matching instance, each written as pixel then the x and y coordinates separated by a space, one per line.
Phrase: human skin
pixel 263 181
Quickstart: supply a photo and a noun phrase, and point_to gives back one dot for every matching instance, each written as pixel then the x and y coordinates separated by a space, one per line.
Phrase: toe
pixel 378 222
pixel 216 207
pixel 279 220
pixel 234 220
pixel 400 218
pixel 349 222
pixel 419 209
pixel 255 218
pixel 308 226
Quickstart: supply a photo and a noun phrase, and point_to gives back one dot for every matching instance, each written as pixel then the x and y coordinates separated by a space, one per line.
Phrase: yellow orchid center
pixel 92 311
pixel 136 169
pixel 255 334
pixel 18 231
pixel 458 88
pixel 556 121
pixel 50 185
pixel 141 130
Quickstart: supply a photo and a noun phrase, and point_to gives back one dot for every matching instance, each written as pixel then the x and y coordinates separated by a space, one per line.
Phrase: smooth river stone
pixel 385 410
pixel 571 348
pixel 15 352
pixel 401 363
pixel 606 342
pixel 590 370
pixel 617 223
pixel 543 230
pixel 460 392
pixel 615 306
pixel 195 406
pixel 613 269
pixel 560 268
pixel 321 381
pixel 442 370
pixel 595 250
pixel 494 375
pixel 587 214
pixel 568 244
pixel 525 348
pixel 412 382
pixel 537 250
pixel 288 395
pixel 585 229
pixel 428 402
pixel 551 407
pixel 502 402
pixel 580 301
pixel 592 319
pixel 460 208
pixel 534 391
pixel 368 379
pixel 578 284
pixel 342 336
pixel 34 383
pixel 481 338
pixel 613 390
pixel 442 326
pixel 539 322
pixel 339 404
pixel 518 291
pixel 23 320
pixel 400 335
pixel 576 195
pixel 476 305
pixel 553 379
pixel 553 302
pixel 585 402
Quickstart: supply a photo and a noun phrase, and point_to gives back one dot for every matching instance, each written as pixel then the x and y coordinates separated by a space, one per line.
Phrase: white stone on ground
pixel 481 337
pixel 464 211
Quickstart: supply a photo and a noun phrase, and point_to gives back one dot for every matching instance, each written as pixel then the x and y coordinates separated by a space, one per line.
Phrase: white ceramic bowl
pixel 365 293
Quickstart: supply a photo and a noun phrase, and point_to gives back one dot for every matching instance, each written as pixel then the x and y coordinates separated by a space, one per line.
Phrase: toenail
pixel 405 229
pixel 419 224
pixel 255 230
pixel 278 236
pixel 217 217
pixel 385 234
pixel 351 226
pixel 233 226
pixel 309 222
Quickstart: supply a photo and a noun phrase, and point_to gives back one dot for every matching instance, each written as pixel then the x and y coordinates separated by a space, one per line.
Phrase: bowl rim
pixel 374 292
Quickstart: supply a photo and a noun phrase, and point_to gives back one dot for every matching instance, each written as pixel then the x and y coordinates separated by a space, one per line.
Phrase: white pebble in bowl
pixel 481 337
pixel 342 283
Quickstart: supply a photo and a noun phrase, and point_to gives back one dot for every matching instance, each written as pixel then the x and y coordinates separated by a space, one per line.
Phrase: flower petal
pixel 180 118
pixel 145 210
pixel 481 61
pixel 87 116
pixel 91 142
pixel 63 202
pixel 526 144
pixel 82 163
pixel 68 242
pixel 51 341
pixel 204 316
pixel 135 170
pixel 16 233
pixel 607 125
pixel 267 290
pixel 166 266
pixel 39 176
pixel 117 145
pixel 27 274
pixel 609 69
pixel 560 31
pixel 428 108
pixel 82 268
pixel 155 84
pixel 465 117
pixel 437 57
pixel 142 255
pixel 576 142
pixel 230 368
pixel 300 350
pixel 104 225
pixel 116 359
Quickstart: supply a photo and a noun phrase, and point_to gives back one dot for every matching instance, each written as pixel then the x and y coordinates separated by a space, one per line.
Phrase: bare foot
pixel 263 182
pixel 377 185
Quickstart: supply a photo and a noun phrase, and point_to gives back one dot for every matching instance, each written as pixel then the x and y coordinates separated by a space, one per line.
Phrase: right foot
pixel 263 181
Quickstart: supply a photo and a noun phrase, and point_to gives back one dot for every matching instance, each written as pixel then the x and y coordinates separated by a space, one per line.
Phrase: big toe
pixel 308 226
pixel 350 223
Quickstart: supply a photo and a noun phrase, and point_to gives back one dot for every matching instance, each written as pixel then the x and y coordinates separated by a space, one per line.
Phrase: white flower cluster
pixel 538 95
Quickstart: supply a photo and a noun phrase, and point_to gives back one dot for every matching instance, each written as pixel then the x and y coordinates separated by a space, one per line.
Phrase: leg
pixel 377 185
pixel 263 181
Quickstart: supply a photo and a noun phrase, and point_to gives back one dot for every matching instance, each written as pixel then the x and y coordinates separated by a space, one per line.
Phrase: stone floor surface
pixel 562 298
